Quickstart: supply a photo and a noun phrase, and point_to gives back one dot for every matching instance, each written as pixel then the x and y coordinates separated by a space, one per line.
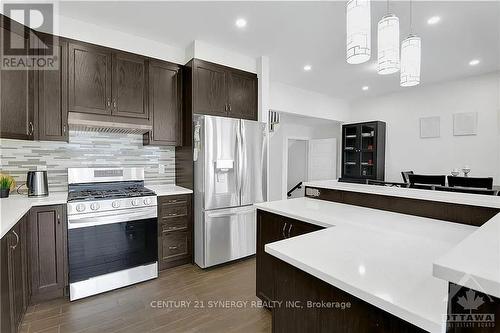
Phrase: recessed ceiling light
pixel 241 23
pixel 307 68
pixel 433 20
pixel 474 62
pixel 365 88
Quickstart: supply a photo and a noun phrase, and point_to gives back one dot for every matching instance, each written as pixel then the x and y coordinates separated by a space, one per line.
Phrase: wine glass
pixel 466 170
pixel 455 172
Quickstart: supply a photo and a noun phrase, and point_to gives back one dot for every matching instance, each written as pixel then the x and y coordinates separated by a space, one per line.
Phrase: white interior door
pixel 322 163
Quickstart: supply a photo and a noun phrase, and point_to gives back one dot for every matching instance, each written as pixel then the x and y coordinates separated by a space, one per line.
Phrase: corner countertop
pixel 13 208
pixel 412 193
pixel 383 258
pixel 475 262
pixel 164 190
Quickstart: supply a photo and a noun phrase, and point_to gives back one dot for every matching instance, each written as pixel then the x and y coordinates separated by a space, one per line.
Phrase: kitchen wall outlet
pixel 162 169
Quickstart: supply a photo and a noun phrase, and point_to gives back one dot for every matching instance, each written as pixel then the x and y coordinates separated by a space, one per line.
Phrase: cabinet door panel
pixel 52 98
pixel 129 86
pixel 165 103
pixel 210 89
pixel 16 95
pixel 242 95
pixel 89 79
pixel 48 252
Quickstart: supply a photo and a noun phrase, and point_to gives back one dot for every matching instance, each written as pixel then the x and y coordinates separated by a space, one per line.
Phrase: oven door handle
pixel 94 219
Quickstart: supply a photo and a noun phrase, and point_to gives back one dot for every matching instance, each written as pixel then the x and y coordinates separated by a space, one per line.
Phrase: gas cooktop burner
pixel 113 192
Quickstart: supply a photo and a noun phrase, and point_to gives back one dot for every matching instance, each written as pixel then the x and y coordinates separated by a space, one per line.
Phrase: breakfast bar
pixel 401 264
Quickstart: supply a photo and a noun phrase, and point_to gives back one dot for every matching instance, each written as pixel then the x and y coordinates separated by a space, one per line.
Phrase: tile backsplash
pixel 86 149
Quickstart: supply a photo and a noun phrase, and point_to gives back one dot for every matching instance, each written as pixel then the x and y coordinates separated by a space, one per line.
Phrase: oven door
pixel 108 242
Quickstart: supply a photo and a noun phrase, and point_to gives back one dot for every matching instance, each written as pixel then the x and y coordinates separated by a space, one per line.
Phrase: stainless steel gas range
pixel 112 230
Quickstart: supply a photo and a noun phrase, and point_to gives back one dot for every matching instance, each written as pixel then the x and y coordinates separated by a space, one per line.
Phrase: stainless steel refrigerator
pixel 230 175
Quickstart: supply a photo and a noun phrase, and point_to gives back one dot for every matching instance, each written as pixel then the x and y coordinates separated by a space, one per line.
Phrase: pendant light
pixel 358 24
pixel 388 44
pixel 411 52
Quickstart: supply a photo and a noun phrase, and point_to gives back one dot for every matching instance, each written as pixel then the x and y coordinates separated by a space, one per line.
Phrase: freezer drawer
pixel 229 234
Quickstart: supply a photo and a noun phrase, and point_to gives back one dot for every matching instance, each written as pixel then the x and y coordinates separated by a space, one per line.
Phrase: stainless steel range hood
pixel 107 124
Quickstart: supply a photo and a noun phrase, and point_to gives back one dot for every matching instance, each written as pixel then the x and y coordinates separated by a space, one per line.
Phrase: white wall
pixel 293 126
pixel 90 33
pixel 407 151
pixel 297 165
pixel 290 99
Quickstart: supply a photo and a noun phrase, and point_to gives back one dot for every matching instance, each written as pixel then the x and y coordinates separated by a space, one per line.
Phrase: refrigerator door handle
pixel 239 156
pixel 244 164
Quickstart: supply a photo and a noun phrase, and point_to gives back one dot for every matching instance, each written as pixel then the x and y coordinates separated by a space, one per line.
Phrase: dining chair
pixel 476 182
pixel 383 183
pixel 467 190
pixel 416 180
pixel 405 174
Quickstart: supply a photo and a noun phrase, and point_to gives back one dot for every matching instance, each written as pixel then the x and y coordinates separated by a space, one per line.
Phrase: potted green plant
pixel 6 184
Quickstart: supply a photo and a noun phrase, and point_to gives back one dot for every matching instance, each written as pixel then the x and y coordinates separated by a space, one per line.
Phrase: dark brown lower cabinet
pixel 175 246
pixel 301 306
pixel 48 252
pixel 15 294
pixel 271 228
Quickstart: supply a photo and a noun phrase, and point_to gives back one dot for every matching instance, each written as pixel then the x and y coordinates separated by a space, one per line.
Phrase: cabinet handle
pixel 173 247
pixel 289 230
pixel 229 107
pixel 31 128
pixel 114 104
pixel 108 103
pixel 172 214
pixel 58 219
pixel 64 129
pixel 13 247
pixel 283 231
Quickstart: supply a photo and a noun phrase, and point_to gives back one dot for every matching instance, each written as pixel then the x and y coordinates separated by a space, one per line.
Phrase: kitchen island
pixel 380 262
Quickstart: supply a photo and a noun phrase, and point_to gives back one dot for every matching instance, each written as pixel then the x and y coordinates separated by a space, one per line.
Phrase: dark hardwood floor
pixel 129 309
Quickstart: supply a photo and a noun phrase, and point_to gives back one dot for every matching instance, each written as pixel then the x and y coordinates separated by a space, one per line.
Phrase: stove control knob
pixel 147 201
pixel 115 204
pixel 80 207
pixel 135 202
pixel 94 206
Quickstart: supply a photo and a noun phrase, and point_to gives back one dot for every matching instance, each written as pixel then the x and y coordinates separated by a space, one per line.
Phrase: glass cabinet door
pixel 368 150
pixel 351 150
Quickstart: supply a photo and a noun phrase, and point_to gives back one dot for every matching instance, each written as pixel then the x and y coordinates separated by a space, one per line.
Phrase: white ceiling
pixel 293 34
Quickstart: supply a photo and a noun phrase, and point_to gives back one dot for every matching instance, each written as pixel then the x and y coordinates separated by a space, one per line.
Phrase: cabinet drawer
pixel 173 224
pixel 175 245
pixel 174 211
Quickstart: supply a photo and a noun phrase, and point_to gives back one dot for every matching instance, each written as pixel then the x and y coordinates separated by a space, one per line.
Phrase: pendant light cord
pixel 411 15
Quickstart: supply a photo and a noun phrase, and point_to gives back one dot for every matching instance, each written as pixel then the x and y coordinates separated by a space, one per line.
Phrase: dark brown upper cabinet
pixel 89 75
pixel 165 106
pixel 210 91
pixel 129 86
pixel 16 93
pixel 52 96
pixel 107 82
pixel 223 91
pixel 242 94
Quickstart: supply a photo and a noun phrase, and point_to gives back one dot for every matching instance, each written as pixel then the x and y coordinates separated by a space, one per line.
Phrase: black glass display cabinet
pixel 363 151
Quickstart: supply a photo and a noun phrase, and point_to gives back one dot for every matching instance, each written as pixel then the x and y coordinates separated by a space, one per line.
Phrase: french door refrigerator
pixel 230 175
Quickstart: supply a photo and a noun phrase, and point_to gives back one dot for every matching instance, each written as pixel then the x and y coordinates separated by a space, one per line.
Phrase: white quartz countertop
pixel 383 258
pixel 164 190
pixel 13 208
pixel 412 193
pixel 475 262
